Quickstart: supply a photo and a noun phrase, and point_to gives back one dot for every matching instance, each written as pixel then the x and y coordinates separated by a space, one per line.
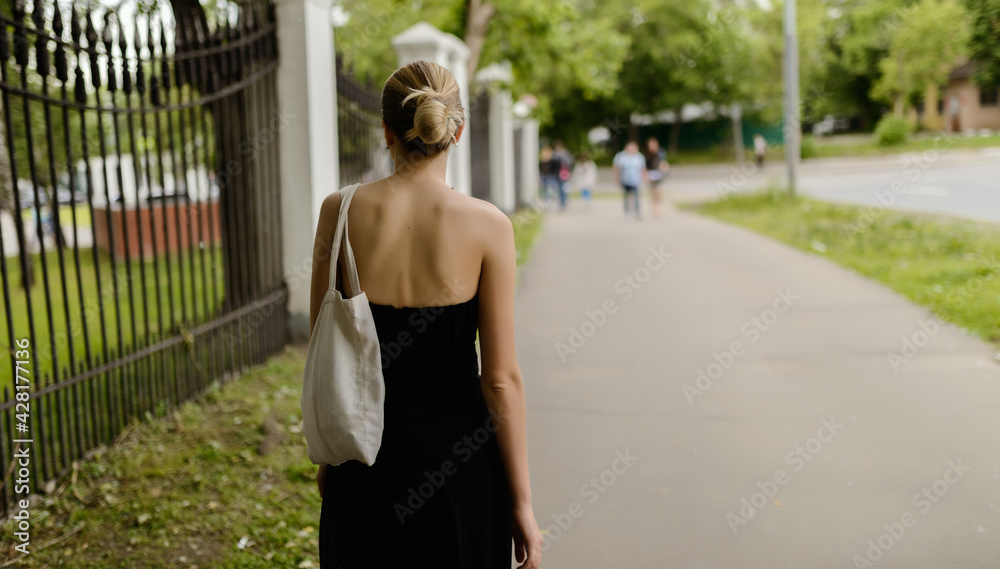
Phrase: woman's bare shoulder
pixel 482 212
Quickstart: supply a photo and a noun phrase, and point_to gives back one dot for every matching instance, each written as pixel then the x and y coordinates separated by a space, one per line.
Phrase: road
pixel 702 397
pixel 963 183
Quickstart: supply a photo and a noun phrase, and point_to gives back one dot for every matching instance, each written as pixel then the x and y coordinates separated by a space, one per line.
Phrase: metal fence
pixel 139 217
pixel 360 137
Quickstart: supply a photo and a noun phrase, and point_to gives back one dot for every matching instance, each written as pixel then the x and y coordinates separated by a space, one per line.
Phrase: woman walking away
pixel 449 487
pixel 656 170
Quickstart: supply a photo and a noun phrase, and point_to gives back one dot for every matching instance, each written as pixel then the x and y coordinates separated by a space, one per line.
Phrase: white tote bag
pixel 342 389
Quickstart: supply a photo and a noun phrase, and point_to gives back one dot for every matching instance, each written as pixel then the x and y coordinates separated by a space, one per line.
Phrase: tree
pixel 929 40
pixel 984 41
pixel 556 50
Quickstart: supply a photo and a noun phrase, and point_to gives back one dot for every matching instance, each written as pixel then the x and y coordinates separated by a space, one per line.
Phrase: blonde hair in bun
pixel 422 104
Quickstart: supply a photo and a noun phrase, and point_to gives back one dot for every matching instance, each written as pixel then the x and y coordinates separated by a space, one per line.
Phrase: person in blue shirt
pixel 630 172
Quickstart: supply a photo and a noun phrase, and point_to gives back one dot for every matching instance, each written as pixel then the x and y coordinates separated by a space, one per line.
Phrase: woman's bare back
pixel 418 246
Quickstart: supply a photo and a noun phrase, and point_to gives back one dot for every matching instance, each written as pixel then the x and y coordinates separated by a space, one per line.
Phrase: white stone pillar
pixel 307 94
pixel 528 157
pixel 495 79
pixel 422 41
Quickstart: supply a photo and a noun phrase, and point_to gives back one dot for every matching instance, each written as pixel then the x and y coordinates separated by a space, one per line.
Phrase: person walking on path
pixel 759 148
pixel 563 166
pixel 656 170
pixel 585 177
pixel 449 486
pixel 630 170
pixel 548 170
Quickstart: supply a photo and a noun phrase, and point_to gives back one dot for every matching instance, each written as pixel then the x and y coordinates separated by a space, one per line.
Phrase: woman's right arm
pixel 328 213
pixel 503 389
pixel 320 281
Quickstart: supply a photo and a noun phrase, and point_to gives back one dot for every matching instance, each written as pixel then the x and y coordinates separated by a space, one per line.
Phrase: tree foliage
pixel 984 40
pixel 924 47
pixel 594 63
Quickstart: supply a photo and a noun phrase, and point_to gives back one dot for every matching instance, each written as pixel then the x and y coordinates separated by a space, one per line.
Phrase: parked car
pixel 830 125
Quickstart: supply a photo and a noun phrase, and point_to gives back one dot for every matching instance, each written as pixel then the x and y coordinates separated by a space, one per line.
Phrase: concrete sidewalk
pixel 701 396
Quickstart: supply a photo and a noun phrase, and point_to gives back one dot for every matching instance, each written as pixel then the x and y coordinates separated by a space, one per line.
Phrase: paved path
pixel 805 417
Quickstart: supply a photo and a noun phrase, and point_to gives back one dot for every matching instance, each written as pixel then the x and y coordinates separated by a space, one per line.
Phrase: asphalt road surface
pixel 963 183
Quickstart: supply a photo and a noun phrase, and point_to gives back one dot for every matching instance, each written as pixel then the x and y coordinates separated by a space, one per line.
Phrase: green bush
pixel 808 148
pixel 891 131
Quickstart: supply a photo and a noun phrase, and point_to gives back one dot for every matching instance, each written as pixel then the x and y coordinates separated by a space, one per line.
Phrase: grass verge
pixel 186 490
pixel 527 226
pixel 834 149
pixel 949 265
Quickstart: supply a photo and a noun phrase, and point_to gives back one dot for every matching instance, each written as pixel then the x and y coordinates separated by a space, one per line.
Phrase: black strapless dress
pixel 437 494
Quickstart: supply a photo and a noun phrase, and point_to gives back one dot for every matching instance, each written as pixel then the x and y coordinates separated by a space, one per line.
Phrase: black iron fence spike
pixel 140 79
pixel 91 32
pixel 20 34
pixel 74 26
pixel 62 70
pixel 122 39
pixel 137 38
pixel 57 21
pixel 106 34
pixel 38 16
pixel 154 91
pixel 42 56
pixel 80 85
pixel 4 46
pixel 149 34
pixel 123 48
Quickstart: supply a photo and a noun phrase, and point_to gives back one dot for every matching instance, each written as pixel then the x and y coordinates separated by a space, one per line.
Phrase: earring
pixel 387 147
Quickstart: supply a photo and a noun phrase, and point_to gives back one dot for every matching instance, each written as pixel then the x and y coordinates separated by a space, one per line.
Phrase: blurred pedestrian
pixel 656 170
pixel 548 169
pixel 564 167
pixel 630 170
pixel 759 148
pixel 585 176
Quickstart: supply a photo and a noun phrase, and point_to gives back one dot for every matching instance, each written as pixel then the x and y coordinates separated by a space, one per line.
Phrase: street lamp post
pixel 793 130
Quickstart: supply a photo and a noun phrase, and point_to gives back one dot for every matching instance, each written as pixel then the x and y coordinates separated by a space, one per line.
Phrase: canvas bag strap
pixel 352 286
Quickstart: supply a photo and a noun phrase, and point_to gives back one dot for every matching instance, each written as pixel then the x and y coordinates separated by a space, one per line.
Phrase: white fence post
pixel 307 95
pixel 495 79
pixel 422 41
pixel 528 159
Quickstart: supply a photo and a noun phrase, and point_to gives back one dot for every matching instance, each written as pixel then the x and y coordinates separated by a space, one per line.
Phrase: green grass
pixel 192 485
pixel 527 225
pixel 951 266
pixel 94 297
pixel 832 149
